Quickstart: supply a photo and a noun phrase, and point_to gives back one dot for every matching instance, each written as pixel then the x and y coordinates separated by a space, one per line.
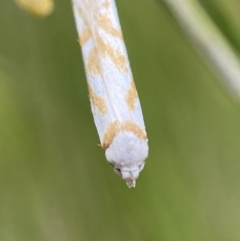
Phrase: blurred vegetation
pixel 55 184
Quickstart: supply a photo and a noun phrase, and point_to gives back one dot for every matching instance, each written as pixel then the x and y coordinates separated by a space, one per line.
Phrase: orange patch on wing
pixel 131 96
pixel 117 57
pixel 106 4
pixel 79 11
pixel 105 22
pixel 97 101
pixel 93 65
pixel 84 36
pixel 133 127
pixel 116 127
pixel 111 132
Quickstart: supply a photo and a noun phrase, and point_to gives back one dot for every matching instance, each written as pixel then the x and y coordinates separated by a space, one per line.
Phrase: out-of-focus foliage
pixel 226 17
pixel 41 8
pixel 55 183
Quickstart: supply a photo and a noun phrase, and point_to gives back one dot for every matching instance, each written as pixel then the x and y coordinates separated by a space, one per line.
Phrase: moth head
pixel 127 154
pixel 130 175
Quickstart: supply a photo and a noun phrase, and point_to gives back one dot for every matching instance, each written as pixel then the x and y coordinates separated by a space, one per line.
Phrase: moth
pixel 114 99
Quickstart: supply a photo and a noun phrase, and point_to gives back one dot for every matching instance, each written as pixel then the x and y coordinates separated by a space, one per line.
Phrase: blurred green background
pixel 55 184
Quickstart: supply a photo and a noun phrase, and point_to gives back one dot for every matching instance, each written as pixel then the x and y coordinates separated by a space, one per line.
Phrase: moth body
pixel 114 100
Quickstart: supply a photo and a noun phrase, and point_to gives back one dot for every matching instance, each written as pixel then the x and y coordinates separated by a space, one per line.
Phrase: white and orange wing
pixel 114 99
